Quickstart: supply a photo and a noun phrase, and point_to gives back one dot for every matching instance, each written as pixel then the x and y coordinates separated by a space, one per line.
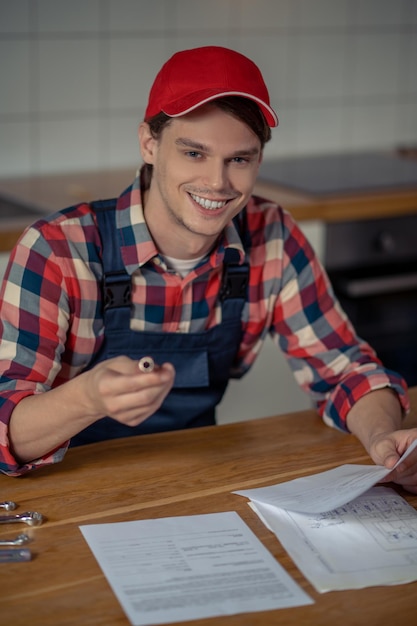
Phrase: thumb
pixel 383 450
pixel 387 453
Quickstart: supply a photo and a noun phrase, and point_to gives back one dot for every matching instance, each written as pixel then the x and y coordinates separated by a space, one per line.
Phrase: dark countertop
pixel 324 175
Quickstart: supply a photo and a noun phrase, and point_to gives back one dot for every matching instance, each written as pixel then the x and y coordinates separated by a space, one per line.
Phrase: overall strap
pixel 116 281
pixel 236 277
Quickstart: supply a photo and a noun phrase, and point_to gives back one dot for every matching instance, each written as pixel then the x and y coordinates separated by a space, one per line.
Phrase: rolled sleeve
pixel 335 409
pixel 9 465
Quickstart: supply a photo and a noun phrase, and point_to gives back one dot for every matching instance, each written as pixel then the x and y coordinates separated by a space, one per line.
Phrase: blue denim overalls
pixel 202 360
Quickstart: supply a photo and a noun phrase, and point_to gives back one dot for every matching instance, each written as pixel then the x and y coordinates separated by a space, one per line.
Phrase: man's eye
pixel 193 154
pixel 240 160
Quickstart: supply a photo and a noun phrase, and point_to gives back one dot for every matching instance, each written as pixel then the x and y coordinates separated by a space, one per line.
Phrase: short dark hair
pixel 242 108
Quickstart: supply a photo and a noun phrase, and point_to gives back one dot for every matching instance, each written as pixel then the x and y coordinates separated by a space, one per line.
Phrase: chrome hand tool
pixel 15 555
pixel 8 505
pixel 17 541
pixel 31 518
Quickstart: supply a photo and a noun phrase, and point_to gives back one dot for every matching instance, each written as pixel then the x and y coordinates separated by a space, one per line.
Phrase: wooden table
pixel 182 473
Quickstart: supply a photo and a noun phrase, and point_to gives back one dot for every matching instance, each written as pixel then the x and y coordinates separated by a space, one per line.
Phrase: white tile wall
pixel 75 75
pixel 16 145
pixel 68 144
pixel 68 78
pixel 214 15
pixel 15 17
pixel 321 14
pixel 61 16
pixel 132 15
pixel 321 70
pixel 377 125
pixel 15 99
pixel 130 76
pixel 376 64
pixel 263 14
pixel 380 12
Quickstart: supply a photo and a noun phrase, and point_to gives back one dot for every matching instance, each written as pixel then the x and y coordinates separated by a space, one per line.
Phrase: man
pixel 190 271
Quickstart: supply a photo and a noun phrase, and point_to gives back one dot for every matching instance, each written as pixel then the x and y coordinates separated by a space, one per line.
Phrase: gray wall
pixel 74 75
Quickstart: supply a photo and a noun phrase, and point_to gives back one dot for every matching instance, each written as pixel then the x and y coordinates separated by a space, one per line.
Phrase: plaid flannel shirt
pixel 51 321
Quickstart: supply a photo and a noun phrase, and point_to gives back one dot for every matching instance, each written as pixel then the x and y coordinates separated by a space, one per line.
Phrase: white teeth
pixel 207 204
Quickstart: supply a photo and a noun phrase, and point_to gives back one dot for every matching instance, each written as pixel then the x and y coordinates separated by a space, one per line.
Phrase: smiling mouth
pixel 211 205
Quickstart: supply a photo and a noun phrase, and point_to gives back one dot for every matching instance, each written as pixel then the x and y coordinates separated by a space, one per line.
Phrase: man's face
pixel 204 168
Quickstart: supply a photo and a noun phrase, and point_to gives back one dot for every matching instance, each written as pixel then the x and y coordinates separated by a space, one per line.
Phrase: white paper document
pixel 181 568
pixel 369 541
pixel 340 530
pixel 324 491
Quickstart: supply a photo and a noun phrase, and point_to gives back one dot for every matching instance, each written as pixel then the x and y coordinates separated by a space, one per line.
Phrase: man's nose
pixel 216 175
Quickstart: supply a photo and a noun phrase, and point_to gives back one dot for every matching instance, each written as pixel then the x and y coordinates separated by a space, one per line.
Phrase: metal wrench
pixel 31 518
pixel 17 541
pixel 8 505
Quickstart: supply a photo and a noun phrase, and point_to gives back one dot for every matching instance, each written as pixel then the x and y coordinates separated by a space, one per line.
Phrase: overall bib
pixel 202 360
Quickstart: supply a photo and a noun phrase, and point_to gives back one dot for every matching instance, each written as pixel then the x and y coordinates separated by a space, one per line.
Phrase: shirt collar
pixel 137 245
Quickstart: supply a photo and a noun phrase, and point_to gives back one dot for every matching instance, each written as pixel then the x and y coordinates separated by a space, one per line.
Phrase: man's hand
pixel 117 388
pixel 376 420
pixel 387 448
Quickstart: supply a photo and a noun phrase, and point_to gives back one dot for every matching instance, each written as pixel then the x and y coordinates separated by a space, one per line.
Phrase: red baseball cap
pixel 191 78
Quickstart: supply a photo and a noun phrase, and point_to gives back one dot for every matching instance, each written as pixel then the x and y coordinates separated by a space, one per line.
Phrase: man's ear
pixel 147 143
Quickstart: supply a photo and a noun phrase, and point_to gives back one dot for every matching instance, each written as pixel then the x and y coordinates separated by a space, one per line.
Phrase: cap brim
pixel 194 101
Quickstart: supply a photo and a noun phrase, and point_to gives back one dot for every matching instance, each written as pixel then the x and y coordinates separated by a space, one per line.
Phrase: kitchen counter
pixel 40 195
pixel 48 193
pixel 340 208
pixel 343 187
